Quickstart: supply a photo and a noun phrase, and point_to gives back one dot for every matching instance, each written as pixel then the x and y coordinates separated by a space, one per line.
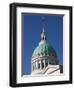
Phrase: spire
pixel 43 30
pixel 43 35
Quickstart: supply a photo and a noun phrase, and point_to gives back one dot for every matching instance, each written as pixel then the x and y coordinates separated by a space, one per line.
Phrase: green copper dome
pixel 44 49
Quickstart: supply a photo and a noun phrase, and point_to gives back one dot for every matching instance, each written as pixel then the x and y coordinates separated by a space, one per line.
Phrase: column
pixel 36 64
pixel 40 64
pixel 44 63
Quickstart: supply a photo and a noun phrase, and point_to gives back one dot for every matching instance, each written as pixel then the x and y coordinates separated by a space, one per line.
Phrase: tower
pixel 44 58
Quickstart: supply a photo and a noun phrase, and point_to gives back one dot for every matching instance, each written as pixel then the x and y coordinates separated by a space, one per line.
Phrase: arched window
pixel 46 62
pixel 38 65
pixel 41 53
pixel 42 65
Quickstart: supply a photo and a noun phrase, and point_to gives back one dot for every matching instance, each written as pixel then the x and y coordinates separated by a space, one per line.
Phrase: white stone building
pixel 44 59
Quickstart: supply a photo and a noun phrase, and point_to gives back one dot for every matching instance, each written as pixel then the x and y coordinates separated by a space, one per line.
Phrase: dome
pixel 43 56
pixel 45 49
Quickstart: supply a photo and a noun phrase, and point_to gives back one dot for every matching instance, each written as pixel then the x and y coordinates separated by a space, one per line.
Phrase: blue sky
pixel 32 26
